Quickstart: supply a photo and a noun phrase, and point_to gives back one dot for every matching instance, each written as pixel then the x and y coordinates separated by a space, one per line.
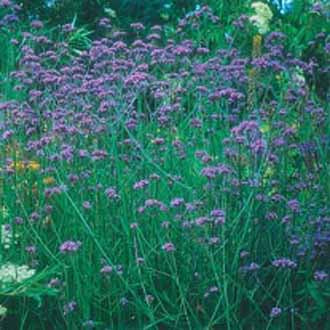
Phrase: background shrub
pixel 89 11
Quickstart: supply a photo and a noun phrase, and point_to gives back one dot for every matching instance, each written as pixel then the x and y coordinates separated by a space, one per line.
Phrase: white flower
pixel 298 77
pixel 5 213
pixel 262 17
pixel 11 273
pixel 6 236
pixel 3 311
pixel 262 10
pixel 261 24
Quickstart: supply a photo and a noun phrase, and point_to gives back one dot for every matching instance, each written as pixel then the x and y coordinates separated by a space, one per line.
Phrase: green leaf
pixel 317 297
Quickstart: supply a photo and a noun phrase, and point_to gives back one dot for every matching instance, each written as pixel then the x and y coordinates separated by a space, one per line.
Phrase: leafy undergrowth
pixel 159 185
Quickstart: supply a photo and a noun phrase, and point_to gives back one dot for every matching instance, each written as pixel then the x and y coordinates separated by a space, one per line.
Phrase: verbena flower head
pixel 87 205
pixel 294 205
pixel 69 307
pixel 37 24
pixel 321 275
pixel 141 184
pixel 275 312
pixel 177 202
pixel 70 246
pixel 168 247
pixel 111 193
pixel 251 267
pixel 5 3
pixel 107 269
pixel 284 263
pixel 55 283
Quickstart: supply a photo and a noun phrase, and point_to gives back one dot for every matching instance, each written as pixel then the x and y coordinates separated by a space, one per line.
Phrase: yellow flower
pixel 256 45
pixel 48 180
pixel 21 165
pixel 13 149
pixel 17 166
pixel 257 39
pixel 33 165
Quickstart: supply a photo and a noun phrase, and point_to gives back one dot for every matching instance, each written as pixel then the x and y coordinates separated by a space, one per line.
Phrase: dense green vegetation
pixel 164 166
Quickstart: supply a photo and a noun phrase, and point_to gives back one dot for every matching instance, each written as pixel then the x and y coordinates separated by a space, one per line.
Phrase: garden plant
pixel 169 176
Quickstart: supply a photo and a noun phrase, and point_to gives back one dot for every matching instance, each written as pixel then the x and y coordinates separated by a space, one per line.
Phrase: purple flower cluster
pixel 140 184
pixel 213 171
pixel 69 307
pixel 275 312
pixel 321 275
pixel 168 247
pixel 284 263
pixel 10 17
pixel 70 246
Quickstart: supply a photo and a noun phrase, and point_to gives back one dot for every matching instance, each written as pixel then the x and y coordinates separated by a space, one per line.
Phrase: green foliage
pixel 9 55
pixel 90 11
pixel 304 27
pixel 200 285
pixel 78 39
